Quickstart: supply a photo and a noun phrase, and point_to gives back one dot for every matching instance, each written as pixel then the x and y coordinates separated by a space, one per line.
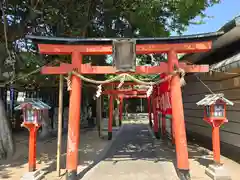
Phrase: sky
pixel 222 13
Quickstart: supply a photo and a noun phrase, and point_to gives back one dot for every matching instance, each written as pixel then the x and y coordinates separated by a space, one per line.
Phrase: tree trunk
pixel 45 126
pixel 7 148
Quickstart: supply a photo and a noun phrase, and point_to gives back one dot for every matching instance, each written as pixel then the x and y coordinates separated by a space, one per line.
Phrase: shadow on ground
pixel 136 143
pixel 200 155
pixel 230 151
pixel 16 166
pixel 19 159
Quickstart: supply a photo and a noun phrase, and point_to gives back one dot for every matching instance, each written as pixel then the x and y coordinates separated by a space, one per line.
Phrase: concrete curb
pixel 91 168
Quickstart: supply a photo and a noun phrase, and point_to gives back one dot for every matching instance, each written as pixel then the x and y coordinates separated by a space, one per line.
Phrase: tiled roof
pixel 229 63
pixel 212 98
pixel 35 103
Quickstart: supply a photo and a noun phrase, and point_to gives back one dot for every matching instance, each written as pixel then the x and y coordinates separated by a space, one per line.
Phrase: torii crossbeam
pixel 126 92
pixel 88 69
pixel 171 46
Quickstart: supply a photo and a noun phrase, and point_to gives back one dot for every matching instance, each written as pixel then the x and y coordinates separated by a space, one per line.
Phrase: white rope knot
pixel 149 91
pixel 118 101
pixel 122 81
pixel 99 91
pixel 69 83
pixel 182 74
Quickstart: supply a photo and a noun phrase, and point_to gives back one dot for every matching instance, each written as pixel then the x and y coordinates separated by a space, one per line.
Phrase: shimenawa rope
pixel 122 77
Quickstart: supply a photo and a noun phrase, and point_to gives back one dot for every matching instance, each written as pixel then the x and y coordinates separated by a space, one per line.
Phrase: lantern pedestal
pixel 217 172
pixel 216 124
pixel 32 145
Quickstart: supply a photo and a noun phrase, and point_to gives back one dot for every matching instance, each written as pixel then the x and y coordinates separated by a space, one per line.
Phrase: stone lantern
pixel 215 115
pixel 33 110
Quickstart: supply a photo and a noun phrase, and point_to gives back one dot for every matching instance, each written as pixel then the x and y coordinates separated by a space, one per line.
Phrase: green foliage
pixel 155 18
pixel 88 18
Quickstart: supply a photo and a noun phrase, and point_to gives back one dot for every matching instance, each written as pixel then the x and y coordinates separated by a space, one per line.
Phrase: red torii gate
pixel 78 47
pixel 136 94
pixel 121 97
pixel 121 94
pixel 125 94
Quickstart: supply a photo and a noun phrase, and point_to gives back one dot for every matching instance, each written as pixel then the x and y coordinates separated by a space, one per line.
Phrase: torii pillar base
pixel 110 117
pixel 183 174
pixel 157 135
pixel 217 172
pixel 109 135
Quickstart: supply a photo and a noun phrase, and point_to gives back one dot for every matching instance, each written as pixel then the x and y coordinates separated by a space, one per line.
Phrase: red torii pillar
pixel 158 108
pixel 149 111
pixel 165 104
pixel 178 116
pixel 74 120
pixel 120 106
pixel 155 115
pixel 110 116
pixel 161 111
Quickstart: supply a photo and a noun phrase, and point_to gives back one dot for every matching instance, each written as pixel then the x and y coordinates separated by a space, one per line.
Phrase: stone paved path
pixel 135 155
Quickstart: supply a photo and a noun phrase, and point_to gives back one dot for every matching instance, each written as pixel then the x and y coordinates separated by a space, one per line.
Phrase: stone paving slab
pixel 136 154
pixel 200 158
pixel 197 170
